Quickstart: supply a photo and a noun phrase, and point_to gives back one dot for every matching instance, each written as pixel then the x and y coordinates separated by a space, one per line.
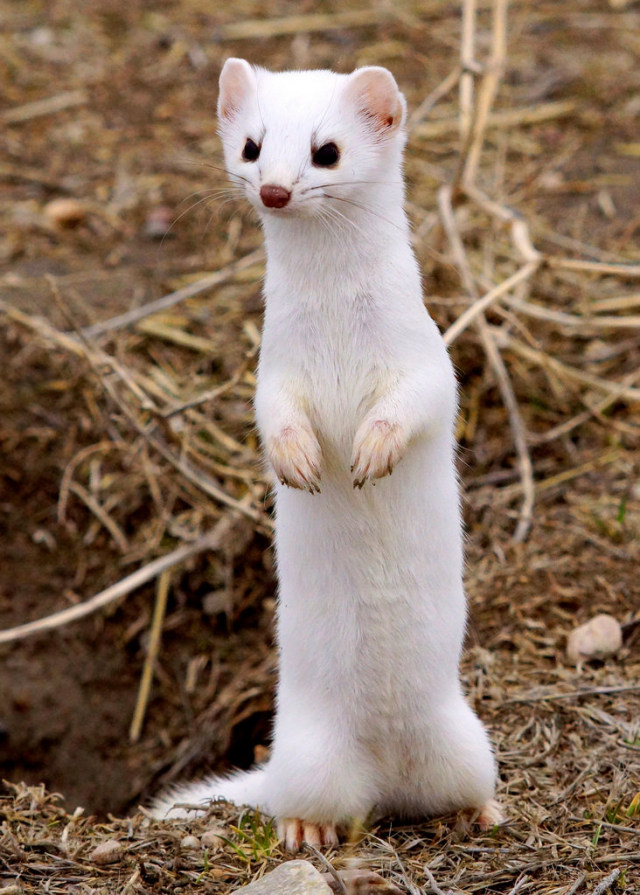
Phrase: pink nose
pixel 274 196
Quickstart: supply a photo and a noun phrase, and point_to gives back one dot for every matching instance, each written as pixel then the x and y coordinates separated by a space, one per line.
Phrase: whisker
pixel 230 174
pixel 331 217
pixel 340 218
pixel 337 217
pixel 215 168
pixel 211 196
pixel 324 186
pixel 364 208
pixel 324 220
pixel 348 221
pixel 212 191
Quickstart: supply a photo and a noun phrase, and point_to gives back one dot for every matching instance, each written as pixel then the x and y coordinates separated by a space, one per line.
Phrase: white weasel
pixel 354 382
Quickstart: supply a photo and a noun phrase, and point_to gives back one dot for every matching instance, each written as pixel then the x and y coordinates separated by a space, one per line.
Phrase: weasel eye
pixel 251 151
pixel 327 156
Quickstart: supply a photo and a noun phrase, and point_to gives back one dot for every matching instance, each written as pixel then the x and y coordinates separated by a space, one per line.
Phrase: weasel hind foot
pixel 488 816
pixel 293 832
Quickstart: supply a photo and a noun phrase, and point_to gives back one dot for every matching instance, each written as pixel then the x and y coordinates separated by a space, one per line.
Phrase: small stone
pixel 290 878
pixel 213 838
pixel 596 639
pixel 217 602
pixel 108 852
pixel 158 222
pixel 361 882
pixel 65 212
pixel 190 842
pixel 44 536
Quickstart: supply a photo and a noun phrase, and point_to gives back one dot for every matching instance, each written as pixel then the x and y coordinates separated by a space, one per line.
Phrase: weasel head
pixel 312 144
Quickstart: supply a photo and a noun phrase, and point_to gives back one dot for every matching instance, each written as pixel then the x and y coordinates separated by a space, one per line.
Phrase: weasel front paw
pixel 293 832
pixel 377 448
pixel 295 456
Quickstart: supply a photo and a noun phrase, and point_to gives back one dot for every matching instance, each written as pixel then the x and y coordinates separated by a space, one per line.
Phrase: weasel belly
pixel 371 600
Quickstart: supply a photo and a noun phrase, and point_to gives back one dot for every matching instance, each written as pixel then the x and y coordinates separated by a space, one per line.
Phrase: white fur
pixel 353 372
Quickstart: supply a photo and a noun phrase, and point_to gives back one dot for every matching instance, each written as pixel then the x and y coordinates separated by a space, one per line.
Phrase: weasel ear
pixel 375 93
pixel 237 80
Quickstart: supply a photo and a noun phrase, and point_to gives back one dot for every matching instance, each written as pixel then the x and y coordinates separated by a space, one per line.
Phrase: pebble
pixel 190 842
pixel 158 222
pixel 596 639
pixel 290 878
pixel 65 212
pixel 108 852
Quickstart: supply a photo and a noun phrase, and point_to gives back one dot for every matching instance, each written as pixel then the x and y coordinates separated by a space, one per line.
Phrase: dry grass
pixel 541 314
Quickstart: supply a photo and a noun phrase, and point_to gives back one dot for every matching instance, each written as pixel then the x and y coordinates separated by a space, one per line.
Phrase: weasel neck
pixel 355 236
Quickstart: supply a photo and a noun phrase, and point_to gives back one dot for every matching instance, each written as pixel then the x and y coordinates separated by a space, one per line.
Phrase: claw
pixel 490 815
pixel 379 446
pixel 293 832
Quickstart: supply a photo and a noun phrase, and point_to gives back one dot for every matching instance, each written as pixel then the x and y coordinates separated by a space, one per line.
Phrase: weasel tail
pixel 191 799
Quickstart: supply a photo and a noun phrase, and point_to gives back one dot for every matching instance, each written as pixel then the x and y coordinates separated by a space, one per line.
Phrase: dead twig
pixel 214 393
pixel 101 515
pixel 576 885
pixel 607 882
pixel 210 541
pixel 433 98
pixel 566 371
pixel 445 127
pixel 497 364
pixel 487 91
pixel 576 694
pixel 328 866
pixel 204 482
pixel 168 301
pixel 467 65
pixel 480 305
pixel 594 411
pixel 155 634
pixel 632 271
pixel 519 884
pixel 50 106
pixel 432 881
pixel 252 29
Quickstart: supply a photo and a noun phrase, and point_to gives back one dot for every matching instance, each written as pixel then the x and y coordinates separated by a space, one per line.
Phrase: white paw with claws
pixel 490 815
pixel 293 832
pixel 487 817
pixel 295 456
pixel 377 448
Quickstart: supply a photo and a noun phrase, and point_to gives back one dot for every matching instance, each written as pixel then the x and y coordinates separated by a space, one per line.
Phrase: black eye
pixel 327 156
pixel 251 151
